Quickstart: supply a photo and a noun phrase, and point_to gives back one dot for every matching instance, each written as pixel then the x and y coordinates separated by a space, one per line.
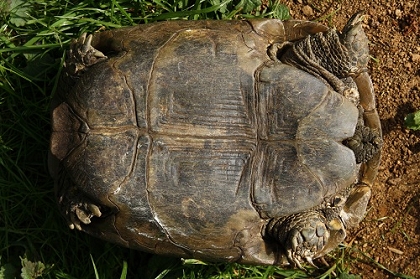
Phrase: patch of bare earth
pixel 390 233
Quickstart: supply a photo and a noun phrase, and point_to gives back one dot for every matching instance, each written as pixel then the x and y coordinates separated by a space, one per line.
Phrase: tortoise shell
pixel 186 138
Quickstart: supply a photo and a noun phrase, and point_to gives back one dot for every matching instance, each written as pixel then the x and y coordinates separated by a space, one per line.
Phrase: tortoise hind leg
pixel 314 233
pixel 76 206
pixel 307 235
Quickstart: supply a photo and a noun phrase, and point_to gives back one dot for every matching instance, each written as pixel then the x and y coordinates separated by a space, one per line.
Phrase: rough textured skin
pixel 187 138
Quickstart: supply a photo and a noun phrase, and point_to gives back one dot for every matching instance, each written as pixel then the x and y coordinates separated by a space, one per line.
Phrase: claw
pixel 94 209
pixel 99 54
pixel 86 44
pixel 78 209
pixel 82 55
pixel 296 261
pixel 74 222
pixel 82 213
pixel 81 39
pixel 310 261
pixel 83 216
pixel 307 235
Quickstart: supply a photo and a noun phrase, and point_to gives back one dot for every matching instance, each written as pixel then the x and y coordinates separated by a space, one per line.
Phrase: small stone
pixel 398 13
pixel 415 57
pixel 395 250
pixel 307 10
pixel 394 181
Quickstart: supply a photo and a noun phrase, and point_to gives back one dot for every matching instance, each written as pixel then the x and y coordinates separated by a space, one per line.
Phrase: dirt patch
pixel 390 233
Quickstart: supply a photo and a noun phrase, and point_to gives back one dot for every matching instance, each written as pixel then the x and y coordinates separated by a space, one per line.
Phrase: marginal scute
pixel 66 133
pixel 272 30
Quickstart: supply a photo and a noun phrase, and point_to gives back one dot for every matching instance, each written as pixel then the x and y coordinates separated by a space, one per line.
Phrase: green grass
pixel 34 239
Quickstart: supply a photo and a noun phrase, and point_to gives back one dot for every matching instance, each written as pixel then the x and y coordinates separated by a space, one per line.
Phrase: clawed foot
pixel 78 209
pixel 365 142
pixel 82 55
pixel 308 235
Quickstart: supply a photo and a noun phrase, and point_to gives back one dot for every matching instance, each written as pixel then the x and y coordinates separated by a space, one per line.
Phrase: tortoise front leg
pixel 82 55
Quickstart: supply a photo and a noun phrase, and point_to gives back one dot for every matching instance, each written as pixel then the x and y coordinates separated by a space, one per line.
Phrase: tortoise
pixel 253 141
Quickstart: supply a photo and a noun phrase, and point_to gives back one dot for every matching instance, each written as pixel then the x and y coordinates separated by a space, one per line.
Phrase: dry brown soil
pixel 390 233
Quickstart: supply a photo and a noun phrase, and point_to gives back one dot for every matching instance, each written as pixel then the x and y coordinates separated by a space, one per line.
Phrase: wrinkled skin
pixel 251 141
